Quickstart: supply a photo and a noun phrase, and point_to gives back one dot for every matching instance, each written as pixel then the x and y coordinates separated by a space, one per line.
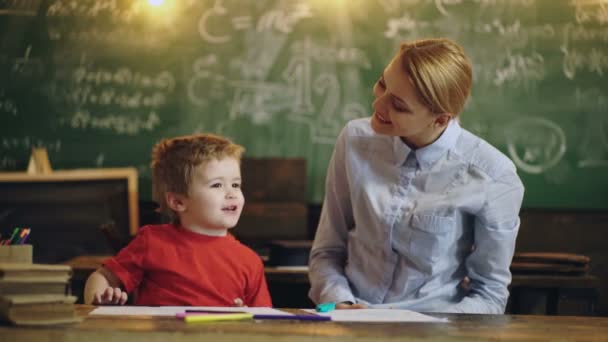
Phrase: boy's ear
pixel 443 119
pixel 175 201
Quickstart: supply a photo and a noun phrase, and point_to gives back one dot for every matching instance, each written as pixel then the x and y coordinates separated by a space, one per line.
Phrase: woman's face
pixel 398 112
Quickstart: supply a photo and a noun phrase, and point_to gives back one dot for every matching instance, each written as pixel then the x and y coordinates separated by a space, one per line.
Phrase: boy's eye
pixel 236 185
pixel 216 185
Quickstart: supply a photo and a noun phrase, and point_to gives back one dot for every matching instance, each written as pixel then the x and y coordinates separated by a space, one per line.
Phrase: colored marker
pixel 257 316
pixel 293 317
pixel 195 311
pixel 24 235
pixel 13 236
pixel 326 307
pixel 218 317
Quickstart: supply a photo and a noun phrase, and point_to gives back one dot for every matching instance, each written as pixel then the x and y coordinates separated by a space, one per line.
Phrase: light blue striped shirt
pixel 402 228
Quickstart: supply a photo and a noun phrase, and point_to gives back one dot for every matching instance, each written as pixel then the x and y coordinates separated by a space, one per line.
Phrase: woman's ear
pixel 443 119
pixel 175 201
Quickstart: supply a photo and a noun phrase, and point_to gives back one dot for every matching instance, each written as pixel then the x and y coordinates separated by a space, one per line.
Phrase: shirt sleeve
pixel 128 264
pixel 257 291
pixel 328 254
pixel 496 228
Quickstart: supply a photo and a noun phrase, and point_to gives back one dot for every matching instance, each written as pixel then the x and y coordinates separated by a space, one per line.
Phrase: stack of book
pixel 36 294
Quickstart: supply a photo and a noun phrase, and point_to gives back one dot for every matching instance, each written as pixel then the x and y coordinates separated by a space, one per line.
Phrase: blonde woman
pixel 414 203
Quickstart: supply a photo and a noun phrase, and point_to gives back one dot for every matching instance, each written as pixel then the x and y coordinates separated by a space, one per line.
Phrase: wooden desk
pixel 460 328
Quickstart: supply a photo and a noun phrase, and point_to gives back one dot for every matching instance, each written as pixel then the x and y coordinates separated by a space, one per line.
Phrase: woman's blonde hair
pixel 440 72
pixel 174 161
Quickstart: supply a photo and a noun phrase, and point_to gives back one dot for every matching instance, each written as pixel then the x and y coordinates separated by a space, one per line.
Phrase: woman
pixel 415 204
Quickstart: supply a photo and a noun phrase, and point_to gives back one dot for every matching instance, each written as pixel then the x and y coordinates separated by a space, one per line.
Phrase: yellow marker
pixel 218 317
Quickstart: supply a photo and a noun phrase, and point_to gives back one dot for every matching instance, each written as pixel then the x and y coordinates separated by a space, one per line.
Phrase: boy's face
pixel 215 199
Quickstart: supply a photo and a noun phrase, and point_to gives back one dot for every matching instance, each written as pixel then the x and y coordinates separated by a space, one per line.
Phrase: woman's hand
pixel 350 306
pixel 111 295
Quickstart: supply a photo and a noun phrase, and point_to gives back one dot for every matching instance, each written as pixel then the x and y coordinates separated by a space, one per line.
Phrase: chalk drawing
pixel 535 144
pixel 216 10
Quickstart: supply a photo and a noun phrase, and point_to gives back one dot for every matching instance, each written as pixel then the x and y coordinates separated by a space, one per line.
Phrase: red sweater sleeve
pixel 128 264
pixel 257 290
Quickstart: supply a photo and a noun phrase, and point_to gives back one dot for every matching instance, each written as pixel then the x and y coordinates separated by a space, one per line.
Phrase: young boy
pixel 193 260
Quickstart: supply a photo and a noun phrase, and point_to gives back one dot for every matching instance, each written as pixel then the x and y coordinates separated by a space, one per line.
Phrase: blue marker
pixel 326 307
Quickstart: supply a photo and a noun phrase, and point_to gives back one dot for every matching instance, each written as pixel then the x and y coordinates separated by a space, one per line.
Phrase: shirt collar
pixel 428 155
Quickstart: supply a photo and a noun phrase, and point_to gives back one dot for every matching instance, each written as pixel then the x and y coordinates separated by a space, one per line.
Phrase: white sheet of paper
pixel 378 315
pixel 119 310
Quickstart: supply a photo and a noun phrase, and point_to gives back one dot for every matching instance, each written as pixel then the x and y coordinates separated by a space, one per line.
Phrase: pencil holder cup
pixel 16 253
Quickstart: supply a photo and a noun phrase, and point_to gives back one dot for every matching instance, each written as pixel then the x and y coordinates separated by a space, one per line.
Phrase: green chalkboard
pixel 98 82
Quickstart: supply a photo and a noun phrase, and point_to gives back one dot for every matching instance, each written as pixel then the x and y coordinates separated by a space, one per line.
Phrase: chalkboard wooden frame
pixel 129 174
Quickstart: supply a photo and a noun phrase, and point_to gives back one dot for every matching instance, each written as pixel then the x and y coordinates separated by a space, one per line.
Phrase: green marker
pixel 13 236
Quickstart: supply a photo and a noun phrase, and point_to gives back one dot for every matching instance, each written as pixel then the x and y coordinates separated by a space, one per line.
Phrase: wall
pixel 98 82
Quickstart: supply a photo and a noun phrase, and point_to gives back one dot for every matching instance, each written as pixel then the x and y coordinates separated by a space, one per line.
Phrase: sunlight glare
pixel 156 3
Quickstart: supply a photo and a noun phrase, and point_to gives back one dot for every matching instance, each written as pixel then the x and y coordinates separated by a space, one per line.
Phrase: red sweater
pixel 169 265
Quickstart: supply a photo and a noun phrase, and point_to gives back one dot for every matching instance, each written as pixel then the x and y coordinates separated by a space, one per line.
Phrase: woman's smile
pixel 381 118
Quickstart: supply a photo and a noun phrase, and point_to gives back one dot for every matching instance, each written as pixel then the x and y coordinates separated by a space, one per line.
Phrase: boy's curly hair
pixel 174 161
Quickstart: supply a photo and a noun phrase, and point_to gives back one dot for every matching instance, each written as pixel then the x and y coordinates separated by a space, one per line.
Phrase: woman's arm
pixel 496 228
pixel 328 254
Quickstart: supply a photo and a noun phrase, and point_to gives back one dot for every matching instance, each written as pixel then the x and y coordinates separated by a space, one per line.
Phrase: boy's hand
pixel 238 302
pixel 111 295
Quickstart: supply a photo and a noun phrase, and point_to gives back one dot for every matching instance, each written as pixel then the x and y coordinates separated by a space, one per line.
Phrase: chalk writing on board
pixel 19 7
pixel 520 70
pixel 100 160
pixel 305 95
pixel 331 54
pixel 577 33
pixel 593 149
pixel 298 76
pixel 110 36
pixel 123 76
pixel 205 85
pixel 7 106
pixel 118 10
pixel 119 99
pixel 26 68
pixel 594 61
pixel 7 162
pixel 594 11
pixel 282 20
pixel 443 6
pixel 514 34
pixel 535 144
pixel 26 143
pixel 258 100
pixel 217 9
pixel 82 119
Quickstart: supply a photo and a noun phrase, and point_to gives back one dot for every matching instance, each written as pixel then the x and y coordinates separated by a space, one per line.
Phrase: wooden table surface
pixel 459 328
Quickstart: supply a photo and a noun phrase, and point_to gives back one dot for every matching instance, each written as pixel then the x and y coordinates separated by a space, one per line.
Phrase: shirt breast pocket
pixel 429 240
